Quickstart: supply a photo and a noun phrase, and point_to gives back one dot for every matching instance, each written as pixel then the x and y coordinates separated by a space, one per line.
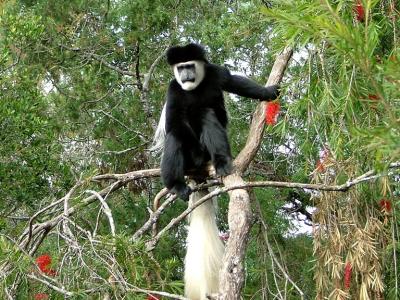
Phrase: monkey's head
pixel 188 65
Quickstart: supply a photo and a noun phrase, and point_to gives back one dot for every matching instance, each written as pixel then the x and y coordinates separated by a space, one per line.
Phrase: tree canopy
pixel 82 85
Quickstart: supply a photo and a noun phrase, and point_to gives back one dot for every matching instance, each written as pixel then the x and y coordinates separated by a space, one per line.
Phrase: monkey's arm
pixel 246 87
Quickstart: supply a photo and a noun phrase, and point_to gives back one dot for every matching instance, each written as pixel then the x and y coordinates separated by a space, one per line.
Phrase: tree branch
pixel 254 138
pixel 239 215
pixel 240 186
pixel 100 59
pixel 53 286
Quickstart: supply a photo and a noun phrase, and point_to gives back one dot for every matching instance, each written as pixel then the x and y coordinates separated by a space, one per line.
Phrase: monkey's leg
pixel 172 167
pixel 215 139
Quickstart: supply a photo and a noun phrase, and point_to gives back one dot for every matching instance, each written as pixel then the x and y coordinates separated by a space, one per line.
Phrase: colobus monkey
pixel 192 132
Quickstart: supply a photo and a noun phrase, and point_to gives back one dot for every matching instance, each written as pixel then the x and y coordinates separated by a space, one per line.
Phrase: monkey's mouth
pixel 188 80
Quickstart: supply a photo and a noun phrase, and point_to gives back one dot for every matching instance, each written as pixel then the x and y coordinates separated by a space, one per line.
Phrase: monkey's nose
pixel 188 77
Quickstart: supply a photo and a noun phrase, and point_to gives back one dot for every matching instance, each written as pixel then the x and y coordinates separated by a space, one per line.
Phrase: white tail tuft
pixel 205 251
pixel 159 137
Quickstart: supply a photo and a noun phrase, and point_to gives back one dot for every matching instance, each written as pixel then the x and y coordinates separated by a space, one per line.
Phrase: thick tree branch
pixel 254 138
pixel 239 215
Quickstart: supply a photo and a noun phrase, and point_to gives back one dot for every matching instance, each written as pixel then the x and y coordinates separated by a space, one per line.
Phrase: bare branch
pixel 243 186
pixel 130 176
pixel 142 137
pixel 106 209
pixel 155 215
pixel 272 254
pixel 147 76
pixel 51 285
pixel 164 294
pixel 144 97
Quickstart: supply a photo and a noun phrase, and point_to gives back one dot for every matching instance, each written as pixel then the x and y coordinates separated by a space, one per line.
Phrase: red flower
pixel 44 262
pixel 152 297
pixel 271 112
pixel 347 275
pixel 41 296
pixel 321 162
pixel 320 166
pixel 385 205
pixel 373 97
pixel 359 11
pixel 393 58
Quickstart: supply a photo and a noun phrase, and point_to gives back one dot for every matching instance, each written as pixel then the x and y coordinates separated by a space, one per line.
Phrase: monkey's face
pixel 189 74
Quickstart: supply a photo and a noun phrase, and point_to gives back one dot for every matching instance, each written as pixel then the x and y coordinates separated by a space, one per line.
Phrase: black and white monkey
pixel 192 133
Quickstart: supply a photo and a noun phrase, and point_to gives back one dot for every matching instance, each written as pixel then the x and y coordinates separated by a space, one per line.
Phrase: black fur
pixel 180 54
pixel 196 120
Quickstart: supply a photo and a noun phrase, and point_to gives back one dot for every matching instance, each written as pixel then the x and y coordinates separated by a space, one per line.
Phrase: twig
pixel 99 59
pixel 61 290
pixel 123 151
pixel 156 205
pixel 147 76
pixel 164 294
pixel 106 209
pixel 131 176
pixel 272 254
pixel 142 137
pixel 68 195
pixel 153 218
pixel 144 97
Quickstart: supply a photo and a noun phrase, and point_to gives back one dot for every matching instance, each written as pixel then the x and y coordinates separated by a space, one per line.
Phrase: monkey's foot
pixel 182 191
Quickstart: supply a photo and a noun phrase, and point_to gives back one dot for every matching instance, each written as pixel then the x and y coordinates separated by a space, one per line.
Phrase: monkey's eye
pixel 188 67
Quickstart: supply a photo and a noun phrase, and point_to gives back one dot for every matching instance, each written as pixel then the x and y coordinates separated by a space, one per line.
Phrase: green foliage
pixel 352 96
pixel 72 105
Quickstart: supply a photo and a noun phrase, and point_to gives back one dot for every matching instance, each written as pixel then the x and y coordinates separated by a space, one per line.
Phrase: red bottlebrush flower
pixel 373 97
pixel 152 297
pixel 385 205
pixel 347 275
pixel 320 166
pixel 359 11
pixel 44 262
pixel 41 296
pixel 271 112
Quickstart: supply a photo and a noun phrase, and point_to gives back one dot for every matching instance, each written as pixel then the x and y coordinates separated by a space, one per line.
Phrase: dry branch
pixel 368 176
pixel 34 234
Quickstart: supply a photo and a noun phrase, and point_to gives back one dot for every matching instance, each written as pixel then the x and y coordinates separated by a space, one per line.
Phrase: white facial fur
pixel 200 73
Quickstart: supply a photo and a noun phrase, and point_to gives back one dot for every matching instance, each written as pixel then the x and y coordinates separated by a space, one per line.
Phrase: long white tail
pixel 205 251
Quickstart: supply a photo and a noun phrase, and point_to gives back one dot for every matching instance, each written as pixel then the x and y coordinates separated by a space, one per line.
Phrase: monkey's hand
pixel 223 166
pixel 272 92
